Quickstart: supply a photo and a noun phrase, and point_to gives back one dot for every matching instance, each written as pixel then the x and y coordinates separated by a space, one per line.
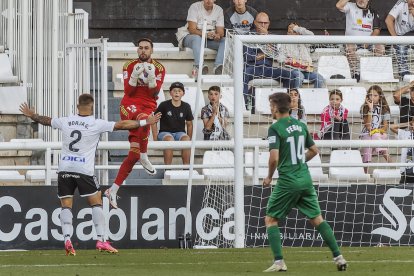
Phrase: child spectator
pixel 215 116
pixel 407 154
pixel 176 115
pixel 297 110
pixel 375 113
pixel 334 119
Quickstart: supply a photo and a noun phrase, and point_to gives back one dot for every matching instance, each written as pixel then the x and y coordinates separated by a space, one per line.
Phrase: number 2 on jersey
pixel 77 139
pixel 297 152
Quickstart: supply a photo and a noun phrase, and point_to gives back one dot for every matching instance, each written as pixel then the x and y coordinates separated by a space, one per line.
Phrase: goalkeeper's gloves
pixel 150 69
pixel 138 69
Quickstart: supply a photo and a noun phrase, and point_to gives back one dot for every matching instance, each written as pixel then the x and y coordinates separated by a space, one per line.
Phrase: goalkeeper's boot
pixel 340 262
pixel 278 265
pixel 111 195
pixel 148 166
pixel 105 246
pixel 70 251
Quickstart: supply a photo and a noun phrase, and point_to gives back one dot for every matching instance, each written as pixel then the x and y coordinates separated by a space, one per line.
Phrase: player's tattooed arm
pixel 44 120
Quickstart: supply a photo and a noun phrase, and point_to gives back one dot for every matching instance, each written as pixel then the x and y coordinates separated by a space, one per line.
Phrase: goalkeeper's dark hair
pixel 85 99
pixel 281 100
pixel 147 40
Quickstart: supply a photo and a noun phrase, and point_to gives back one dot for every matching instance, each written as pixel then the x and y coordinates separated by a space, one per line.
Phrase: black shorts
pixel 68 182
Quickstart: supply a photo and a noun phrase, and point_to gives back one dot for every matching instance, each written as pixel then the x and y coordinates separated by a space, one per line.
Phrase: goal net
pixel 361 139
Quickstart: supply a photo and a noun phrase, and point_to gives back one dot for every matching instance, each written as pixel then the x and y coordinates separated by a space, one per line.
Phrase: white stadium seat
pixel 182 175
pixel 263 161
pixel 218 158
pixel 329 66
pixel 316 172
pixel 262 99
pixel 377 69
pixel 263 83
pixel 211 80
pixel 11 97
pixel 40 175
pixel 347 173
pixel 6 74
pixel 11 177
pixel 354 98
pixel 227 99
pixel 190 98
pixel 314 100
pixel 386 176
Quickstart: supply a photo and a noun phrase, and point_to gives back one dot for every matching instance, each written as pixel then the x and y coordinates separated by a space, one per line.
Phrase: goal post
pixel 237 71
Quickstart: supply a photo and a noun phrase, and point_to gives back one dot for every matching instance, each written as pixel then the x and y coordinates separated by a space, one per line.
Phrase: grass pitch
pixel 300 261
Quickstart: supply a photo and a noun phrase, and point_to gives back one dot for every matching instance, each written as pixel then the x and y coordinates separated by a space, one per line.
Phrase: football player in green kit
pixel 288 139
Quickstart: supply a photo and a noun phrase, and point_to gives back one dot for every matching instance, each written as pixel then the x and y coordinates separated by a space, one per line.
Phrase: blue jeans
pixel 317 79
pixel 289 78
pixel 194 42
pixel 402 53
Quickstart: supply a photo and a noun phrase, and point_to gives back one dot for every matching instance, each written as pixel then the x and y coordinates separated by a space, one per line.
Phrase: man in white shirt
pixel 400 21
pixel 80 138
pixel 361 20
pixel 213 14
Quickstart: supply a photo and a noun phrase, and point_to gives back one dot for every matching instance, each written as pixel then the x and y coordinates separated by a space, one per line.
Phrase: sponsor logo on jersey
pixel 271 139
pixel 125 75
pixel 73 159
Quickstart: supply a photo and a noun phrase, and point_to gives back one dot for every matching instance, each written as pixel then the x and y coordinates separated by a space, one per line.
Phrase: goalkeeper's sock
pixel 66 222
pixel 127 165
pixel 275 242
pixel 328 236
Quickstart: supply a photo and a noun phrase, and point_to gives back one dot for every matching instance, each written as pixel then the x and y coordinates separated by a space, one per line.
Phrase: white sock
pixel 66 222
pixel 114 188
pixel 98 219
pixel 144 156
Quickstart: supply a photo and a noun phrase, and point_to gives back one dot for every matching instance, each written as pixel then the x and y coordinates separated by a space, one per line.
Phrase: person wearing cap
pixel 176 117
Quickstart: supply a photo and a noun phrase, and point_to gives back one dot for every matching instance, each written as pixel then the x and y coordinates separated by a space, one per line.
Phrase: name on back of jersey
pixel 78 123
pixel 293 128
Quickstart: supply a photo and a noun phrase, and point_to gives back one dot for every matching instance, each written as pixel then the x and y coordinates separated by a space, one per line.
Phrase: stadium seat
pixel 190 98
pixel 6 73
pixel 347 173
pixel 1 49
pixel 316 172
pixel 377 69
pixel 262 99
pixel 263 83
pixel 408 78
pixel 331 66
pixel 227 99
pixel 11 97
pixel 314 100
pixel 354 98
pixel 218 159
pixel 161 97
pixel 165 47
pixel 199 132
pixel 11 177
pixel 221 80
pixel 35 176
pixel 183 78
pixel 386 176
pixel 182 175
pixel 263 161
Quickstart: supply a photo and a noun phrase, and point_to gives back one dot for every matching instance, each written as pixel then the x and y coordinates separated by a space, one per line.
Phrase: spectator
pixel 334 119
pixel 361 20
pixel 215 116
pixel 143 78
pixel 190 34
pixel 375 113
pixel 239 17
pixel 176 115
pixel 400 21
pixel 406 104
pixel 297 56
pixel 407 154
pixel 257 64
pixel 297 110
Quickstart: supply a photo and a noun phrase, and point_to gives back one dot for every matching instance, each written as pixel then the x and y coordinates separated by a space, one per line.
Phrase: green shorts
pixel 281 203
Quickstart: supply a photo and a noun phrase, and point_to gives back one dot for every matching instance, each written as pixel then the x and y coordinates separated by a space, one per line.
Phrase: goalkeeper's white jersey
pixel 80 137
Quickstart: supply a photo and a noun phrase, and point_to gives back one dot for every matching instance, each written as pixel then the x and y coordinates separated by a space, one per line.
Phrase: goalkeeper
pixel 288 139
pixel 143 78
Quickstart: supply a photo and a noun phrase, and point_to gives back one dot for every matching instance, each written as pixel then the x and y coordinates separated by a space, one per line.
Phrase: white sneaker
pixel 148 166
pixel 111 195
pixel 340 262
pixel 278 265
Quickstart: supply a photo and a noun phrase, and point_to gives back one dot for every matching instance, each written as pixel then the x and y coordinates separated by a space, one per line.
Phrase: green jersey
pixel 291 137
